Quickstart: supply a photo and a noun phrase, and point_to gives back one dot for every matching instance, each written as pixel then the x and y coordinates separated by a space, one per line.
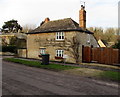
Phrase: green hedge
pixel 10 48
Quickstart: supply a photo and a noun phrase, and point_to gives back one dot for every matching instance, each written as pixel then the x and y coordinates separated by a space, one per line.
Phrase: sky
pixel 100 13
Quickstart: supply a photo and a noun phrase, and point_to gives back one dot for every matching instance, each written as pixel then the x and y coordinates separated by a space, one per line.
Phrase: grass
pixel 101 65
pixel 110 75
pixel 96 74
pixel 38 64
pixel 86 72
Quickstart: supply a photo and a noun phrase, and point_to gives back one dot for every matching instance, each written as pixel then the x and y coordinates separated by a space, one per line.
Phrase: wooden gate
pixel 101 55
pixel 86 55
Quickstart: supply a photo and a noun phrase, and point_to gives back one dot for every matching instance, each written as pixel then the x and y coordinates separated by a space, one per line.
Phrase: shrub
pixel 117 45
pixel 10 48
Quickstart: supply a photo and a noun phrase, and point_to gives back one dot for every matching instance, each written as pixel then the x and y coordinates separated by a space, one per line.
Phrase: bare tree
pixel 98 32
pixel 110 35
pixel 28 28
pixel 4 42
pixel 107 35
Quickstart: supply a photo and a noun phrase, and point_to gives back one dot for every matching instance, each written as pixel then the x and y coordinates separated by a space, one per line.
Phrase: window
pixel 42 51
pixel 88 36
pixel 59 53
pixel 59 35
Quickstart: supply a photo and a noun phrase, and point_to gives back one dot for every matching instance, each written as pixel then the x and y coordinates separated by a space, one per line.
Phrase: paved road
pixel 22 80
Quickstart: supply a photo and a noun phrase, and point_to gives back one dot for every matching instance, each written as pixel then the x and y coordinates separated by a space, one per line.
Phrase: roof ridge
pixel 59 19
pixel 73 22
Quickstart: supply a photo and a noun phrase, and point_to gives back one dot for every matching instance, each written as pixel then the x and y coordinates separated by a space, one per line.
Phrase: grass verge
pixel 85 72
pixel 55 67
pixel 115 76
pixel 96 74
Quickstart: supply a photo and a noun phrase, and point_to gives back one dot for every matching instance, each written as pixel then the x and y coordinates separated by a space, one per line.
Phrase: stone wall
pixel 37 41
pixel 22 53
pixel 87 39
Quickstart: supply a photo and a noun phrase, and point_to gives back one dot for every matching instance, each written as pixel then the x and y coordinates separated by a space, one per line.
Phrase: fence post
pixel 111 54
pixel 119 55
pixel 89 54
pixel 82 53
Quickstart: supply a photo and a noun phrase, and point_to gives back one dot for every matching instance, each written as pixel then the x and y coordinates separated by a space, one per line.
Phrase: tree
pixel 110 35
pixel 117 45
pixel 9 41
pixel 28 28
pixel 106 35
pixel 13 40
pixel 98 32
pixel 11 26
pixel 4 42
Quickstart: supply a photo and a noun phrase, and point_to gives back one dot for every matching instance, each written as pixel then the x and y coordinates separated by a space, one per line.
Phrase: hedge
pixel 9 48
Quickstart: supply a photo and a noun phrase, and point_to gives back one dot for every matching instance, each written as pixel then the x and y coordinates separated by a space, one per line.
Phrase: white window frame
pixel 42 50
pixel 59 53
pixel 60 36
pixel 88 36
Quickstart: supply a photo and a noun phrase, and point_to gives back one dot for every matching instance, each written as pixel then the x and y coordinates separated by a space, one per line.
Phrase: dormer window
pixel 59 35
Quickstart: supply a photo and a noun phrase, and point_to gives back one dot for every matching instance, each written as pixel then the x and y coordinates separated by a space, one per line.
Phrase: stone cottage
pixel 62 39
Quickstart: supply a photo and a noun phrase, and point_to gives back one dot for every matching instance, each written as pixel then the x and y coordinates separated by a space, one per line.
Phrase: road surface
pixel 23 80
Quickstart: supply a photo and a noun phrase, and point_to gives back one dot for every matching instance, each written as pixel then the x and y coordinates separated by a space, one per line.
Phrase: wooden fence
pixel 101 55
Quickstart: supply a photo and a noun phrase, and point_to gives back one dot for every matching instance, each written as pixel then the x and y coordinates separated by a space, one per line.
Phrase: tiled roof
pixel 58 25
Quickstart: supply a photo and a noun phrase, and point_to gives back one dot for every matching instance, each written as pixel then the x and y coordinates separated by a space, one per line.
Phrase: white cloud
pixel 99 12
pixel 105 15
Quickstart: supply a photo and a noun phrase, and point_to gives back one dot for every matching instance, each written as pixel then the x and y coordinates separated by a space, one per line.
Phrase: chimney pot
pixel 46 20
pixel 82 7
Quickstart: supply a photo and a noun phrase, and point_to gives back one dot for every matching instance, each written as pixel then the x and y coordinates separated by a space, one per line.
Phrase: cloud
pixel 99 12
pixel 102 13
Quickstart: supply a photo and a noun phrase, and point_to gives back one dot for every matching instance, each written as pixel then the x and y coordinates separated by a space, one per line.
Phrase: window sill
pixel 58 57
pixel 60 40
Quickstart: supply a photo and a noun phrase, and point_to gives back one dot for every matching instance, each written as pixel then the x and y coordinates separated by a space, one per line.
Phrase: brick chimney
pixel 82 17
pixel 46 20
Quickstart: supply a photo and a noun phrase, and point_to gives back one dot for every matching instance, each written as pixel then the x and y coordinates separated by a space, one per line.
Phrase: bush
pixel 10 48
pixel 117 45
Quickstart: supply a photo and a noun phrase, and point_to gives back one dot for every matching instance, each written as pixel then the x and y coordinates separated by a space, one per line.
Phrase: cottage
pixel 61 39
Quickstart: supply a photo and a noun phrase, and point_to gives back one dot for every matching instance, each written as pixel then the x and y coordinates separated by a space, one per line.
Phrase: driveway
pixel 23 80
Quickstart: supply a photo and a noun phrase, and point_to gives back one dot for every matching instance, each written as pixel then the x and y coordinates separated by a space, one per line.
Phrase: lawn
pixel 38 64
pixel 110 75
pixel 86 72
pixel 94 73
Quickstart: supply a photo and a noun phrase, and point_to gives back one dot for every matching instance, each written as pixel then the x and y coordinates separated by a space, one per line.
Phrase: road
pixel 19 79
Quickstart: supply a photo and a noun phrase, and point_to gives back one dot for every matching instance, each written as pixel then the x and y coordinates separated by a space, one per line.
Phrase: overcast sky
pixel 100 13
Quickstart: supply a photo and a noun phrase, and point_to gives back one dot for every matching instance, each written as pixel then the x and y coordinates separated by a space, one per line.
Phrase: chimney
pixel 82 17
pixel 46 20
